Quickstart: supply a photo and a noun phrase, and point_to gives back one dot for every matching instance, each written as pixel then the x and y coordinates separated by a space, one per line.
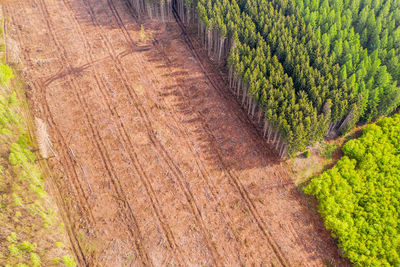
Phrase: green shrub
pixel 6 74
pixel 35 259
pixel 59 244
pixel 17 200
pixel 26 246
pixel 307 154
pixel 14 250
pixel 13 100
pixel 12 238
pixel 22 185
pixel 12 158
pixel 17 215
pixel 40 192
pixel 56 261
pixel 68 261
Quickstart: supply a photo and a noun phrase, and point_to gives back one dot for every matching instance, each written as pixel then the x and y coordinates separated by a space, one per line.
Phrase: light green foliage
pixel 12 238
pixel 143 36
pixel 56 261
pixel 14 250
pixel 35 260
pixel 59 244
pixel 68 261
pixel 13 99
pixel 307 154
pixel 17 215
pixel 27 246
pixel 6 74
pixel 17 200
pixel 359 198
pixel 47 217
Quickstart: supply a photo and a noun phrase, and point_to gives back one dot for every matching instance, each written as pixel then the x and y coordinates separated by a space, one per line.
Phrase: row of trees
pixel 359 197
pixel 297 65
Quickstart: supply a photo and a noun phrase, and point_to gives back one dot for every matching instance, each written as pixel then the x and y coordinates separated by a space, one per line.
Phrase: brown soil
pixel 156 162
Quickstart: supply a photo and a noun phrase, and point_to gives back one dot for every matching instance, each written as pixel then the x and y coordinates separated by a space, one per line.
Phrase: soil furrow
pixel 127 211
pixel 122 132
pixel 172 166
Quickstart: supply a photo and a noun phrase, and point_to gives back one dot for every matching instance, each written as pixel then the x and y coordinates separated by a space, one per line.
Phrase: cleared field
pixel 156 161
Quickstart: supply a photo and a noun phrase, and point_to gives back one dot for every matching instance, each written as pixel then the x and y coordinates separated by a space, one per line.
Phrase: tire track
pixel 195 156
pixel 122 132
pixel 200 166
pixel 167 158
pixel 158 146
pixel 129 217
pixel 239 186
pixel 70 161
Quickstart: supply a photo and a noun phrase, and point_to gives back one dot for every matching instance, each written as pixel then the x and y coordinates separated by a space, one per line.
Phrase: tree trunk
pixel 282 150
pixel 220 47
pixel 254 108
pixel 249 103
pixel 230 77
pixel 162 11
pixel 244 95
pixel 269 132
pixel 238 89
pixel 209 41
pixel 265 127
pixel 276 135
pixel 278 143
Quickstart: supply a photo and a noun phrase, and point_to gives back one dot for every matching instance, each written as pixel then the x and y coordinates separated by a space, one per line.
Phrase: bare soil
pixel 156 162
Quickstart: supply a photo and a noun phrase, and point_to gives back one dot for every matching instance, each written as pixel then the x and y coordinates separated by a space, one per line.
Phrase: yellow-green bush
pixel 359 198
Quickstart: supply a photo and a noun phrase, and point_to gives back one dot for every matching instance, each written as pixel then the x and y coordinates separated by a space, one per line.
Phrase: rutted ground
pixel 157 162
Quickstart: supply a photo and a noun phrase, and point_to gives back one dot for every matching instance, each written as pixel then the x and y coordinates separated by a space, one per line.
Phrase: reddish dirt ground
pixel 156 162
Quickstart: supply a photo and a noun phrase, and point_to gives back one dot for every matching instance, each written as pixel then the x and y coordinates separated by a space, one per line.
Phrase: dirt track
pixel 156 161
